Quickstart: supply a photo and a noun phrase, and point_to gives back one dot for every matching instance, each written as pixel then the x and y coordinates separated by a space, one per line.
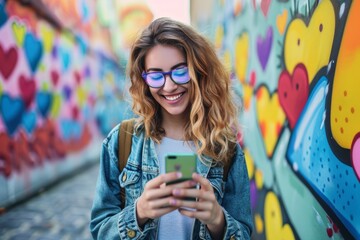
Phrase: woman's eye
pixel 155 76
pixel 180 71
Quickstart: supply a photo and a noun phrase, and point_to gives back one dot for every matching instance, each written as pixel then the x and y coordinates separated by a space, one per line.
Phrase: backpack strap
pixel 125 140
pixel 228 164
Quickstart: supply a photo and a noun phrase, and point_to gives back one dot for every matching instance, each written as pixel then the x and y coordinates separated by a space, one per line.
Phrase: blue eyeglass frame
pixel 144 75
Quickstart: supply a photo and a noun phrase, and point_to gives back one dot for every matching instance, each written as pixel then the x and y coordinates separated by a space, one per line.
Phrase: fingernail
pixel 172 202
pixel 176 192
pixel 179 174
pixel 193 183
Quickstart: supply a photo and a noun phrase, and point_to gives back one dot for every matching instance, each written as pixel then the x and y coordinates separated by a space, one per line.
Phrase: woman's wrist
pixel 141 220
pixel 216 228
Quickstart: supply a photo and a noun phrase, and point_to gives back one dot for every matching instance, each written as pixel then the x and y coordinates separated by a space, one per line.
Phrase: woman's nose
pixel 169 85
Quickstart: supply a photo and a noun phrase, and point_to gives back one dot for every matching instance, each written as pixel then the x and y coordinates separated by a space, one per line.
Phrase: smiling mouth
pixel 173 97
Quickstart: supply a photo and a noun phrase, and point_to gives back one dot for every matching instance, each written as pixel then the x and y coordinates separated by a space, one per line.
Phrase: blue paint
pixel 33 50
pixel 70 129
pixel 11 110
pixel 3 14
pixel 29 121
pixel 43 102
pixel 65 58
pixel 310 154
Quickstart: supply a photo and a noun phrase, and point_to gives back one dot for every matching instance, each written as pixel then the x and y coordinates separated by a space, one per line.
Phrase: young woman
pixel 181 93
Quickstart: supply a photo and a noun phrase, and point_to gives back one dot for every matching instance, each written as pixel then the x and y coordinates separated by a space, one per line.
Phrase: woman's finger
pixel 205 183
pixel 198 206
pixel 194 193
pixel 165 191
pixel 161 179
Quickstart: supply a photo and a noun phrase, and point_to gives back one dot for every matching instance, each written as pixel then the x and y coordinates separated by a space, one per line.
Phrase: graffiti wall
pixel 295 66
pixel 61 91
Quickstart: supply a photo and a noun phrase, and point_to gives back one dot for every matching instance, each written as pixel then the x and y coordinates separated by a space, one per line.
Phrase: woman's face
pixel 172 97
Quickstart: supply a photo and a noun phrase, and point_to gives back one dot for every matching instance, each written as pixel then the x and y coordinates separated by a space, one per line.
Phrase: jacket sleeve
pixel 108 220
pixel 236 201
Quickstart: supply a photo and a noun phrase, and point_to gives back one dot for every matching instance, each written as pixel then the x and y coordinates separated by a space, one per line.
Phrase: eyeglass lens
pixel 157 79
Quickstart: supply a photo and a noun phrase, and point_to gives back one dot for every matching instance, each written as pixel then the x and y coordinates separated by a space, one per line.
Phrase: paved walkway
pixel 62 212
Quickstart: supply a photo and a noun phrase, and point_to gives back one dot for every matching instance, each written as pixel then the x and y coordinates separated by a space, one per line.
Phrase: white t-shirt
pixel 173 225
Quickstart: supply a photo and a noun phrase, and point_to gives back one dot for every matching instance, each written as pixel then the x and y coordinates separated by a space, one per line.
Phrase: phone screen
pixel 184 163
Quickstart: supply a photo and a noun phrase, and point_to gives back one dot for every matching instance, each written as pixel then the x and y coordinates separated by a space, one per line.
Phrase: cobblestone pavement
pixel 60 213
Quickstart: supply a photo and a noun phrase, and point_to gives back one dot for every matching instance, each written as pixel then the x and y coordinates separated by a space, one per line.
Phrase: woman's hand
pixel 155 200
pixel 206 209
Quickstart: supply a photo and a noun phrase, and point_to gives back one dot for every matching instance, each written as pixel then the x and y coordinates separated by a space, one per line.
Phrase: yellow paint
pixel 311 45
pixel 248 94
pixel 133 17
pixel 345 104
pixel 259 180
pixel 81 96
pixel 45 86
pixel 281 21
pixel 56 106
pixel 19 31
pixel 242 56
pixel 274 228
pixel 270 117
pixel 259 224
pixel 227 60
pixel 219 35
pixel 249 163
pixel 48 36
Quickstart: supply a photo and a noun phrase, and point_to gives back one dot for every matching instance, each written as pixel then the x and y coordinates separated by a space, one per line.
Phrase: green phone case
pixel 184 163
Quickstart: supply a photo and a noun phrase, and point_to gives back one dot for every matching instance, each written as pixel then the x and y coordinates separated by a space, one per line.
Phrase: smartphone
pixel 184 163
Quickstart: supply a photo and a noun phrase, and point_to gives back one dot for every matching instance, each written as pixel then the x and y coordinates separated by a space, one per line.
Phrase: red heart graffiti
pixel 254 4
pixel 75 112
pixel 77 77
pixel 54 77
pixel 8 60
pixel 293 92
pixel 265 4
pixel 27 88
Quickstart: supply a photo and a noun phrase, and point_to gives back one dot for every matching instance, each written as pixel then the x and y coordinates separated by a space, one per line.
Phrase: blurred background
pixel 294 64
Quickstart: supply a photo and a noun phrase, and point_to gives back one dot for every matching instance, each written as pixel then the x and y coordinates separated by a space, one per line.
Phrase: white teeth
pixel 172 98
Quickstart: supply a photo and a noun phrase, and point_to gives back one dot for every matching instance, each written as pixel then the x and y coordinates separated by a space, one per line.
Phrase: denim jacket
pixel 109 221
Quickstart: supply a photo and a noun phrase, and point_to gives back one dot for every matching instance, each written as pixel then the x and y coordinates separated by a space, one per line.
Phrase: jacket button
pixel 131 233
pixel 232 237
pixel 124 177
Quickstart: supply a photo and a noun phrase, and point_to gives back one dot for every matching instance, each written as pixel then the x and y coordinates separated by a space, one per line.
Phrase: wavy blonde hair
pixel 212 122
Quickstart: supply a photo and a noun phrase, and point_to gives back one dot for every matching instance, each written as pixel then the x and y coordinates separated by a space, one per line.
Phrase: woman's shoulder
pixel 113 135
pixel 238 151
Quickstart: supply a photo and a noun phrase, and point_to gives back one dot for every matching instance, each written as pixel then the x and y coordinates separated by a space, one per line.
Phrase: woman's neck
pixel 174 126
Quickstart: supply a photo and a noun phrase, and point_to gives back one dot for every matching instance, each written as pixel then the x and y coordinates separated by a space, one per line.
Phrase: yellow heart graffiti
pixel 19 31
pixel 281 21
pixel 274 227
pixel 271 117
pixel 242 56
pixel 56 105
pixel 249 163
pixel 312 44
pixel 48 36
pixel 81 96
pixel 248 93
pixel 259 223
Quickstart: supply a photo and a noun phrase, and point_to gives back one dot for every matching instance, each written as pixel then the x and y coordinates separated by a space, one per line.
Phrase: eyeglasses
pixel 157 79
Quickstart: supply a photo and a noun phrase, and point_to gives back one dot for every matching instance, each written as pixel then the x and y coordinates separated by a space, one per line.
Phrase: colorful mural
pixel 294 65
pixel 61 91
